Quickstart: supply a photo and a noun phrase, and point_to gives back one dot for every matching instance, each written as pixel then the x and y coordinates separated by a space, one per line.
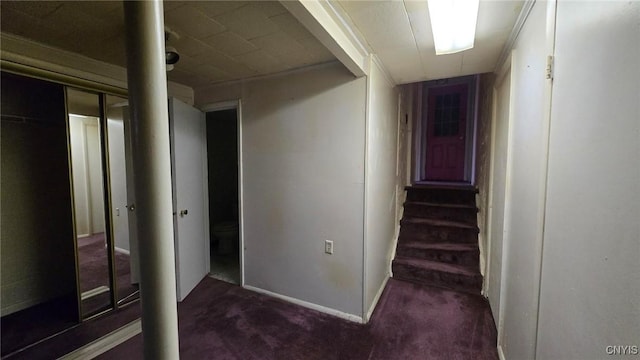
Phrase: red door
pixel 446 130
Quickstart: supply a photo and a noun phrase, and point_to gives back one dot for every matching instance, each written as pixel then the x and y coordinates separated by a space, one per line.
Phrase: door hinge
pixel 549 67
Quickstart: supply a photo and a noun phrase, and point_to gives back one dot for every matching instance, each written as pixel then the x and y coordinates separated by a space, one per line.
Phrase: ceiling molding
pixel 72 69
pixel 333 31
pixel 383 69
pixel 22 51
pixel 513 36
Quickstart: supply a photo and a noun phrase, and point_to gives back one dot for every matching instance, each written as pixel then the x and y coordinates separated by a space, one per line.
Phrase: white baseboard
pixel 323 309
pixel 501 353
pixel 376 299
pixel 105 343
pixel 122 251
pixel 82 236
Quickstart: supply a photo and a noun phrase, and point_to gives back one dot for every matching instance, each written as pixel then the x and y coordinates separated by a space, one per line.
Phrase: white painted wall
pixel 517 270
pixel 87 175
pixel 303 143
pixel 80 188
pixel 94 172
pixel 590 295
pixel 497 190
pixel 381 225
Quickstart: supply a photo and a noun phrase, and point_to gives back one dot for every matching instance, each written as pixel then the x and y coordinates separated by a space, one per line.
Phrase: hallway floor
pixel 222 321
pixel 225 267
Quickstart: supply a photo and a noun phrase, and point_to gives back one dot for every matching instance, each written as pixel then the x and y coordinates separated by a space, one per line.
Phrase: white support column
pixel 147 83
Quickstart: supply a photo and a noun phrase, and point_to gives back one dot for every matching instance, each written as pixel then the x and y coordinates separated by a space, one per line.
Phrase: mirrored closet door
pixel 122 199
pixel 93 244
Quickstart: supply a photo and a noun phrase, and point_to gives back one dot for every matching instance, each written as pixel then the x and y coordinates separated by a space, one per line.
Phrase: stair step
pixel 464 194
pixel 451 253
pixel 439 223
pixel 433 273
pixel 437 231
pixel 452 212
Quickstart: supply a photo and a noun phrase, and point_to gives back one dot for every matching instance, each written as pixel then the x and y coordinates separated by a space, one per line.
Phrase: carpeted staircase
pixel 438 242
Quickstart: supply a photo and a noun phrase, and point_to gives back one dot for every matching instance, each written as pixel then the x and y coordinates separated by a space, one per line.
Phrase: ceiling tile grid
pixel 218 40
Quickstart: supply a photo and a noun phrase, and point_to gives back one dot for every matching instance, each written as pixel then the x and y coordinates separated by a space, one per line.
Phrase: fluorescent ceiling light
pixel 453 23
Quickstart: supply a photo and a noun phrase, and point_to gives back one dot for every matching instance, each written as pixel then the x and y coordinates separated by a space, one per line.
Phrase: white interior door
pixel 190 198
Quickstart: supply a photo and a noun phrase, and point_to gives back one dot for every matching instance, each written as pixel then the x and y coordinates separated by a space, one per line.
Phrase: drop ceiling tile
pixel 262 62
pixel 99 9
pixel 497 17
pixel 418 14
pixel 171 4
pixel 224 62
pixel 383 24
pixel 402 61
pixel 188 20
pixel 37 9
pixel 213 73
pixel 189 46
pixel 278 44
pixel 483 57
pixel 248 22
pixel 290 25
pixel 216 8
pixel 269 8
pixel 443 66
pixel 183 77
pixel 29 27
pixel 187 63
pixel 81 25
pixel 230 43
pixel 315 49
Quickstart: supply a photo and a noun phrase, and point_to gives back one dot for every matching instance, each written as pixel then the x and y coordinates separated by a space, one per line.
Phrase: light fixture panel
pixel 453 23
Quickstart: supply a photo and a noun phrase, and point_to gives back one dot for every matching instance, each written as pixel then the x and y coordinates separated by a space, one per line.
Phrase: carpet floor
pixel 222 321
pixel 94 270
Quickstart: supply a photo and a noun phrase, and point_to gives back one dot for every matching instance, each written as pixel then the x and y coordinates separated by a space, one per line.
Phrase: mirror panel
pixel 117 113
pixel 93 244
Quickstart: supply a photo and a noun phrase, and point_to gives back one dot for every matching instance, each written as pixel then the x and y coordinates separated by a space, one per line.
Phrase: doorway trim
pixel 420 138
pixel 237 105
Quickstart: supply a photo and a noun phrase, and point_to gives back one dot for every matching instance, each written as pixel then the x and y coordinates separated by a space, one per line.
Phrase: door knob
pixel 131 207
pixel 184 212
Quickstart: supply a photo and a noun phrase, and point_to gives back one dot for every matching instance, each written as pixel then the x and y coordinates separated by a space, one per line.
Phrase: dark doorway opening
pixel 222 160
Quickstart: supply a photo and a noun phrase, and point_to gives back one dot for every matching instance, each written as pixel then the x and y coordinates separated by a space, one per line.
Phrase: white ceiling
pixel 218 40
pixel 229 40
pixel 399 32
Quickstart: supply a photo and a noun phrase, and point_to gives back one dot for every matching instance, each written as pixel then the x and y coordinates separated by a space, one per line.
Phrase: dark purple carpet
pixel 94 272
pixel 92 256
pixel 223 321
pixel 94 269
